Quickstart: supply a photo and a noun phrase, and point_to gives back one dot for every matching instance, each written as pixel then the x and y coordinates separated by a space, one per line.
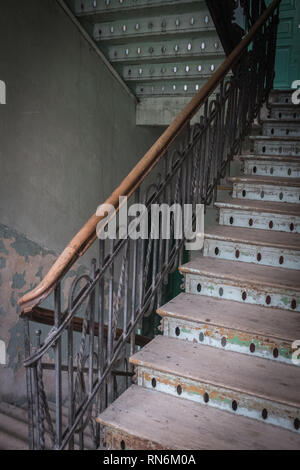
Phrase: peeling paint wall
pixel 23 263
pixel 67 138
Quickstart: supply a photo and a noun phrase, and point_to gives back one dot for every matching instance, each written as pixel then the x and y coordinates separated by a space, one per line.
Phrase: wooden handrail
pixel 87 235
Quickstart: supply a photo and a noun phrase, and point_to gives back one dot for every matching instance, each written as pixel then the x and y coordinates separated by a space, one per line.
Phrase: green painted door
pixel 288 45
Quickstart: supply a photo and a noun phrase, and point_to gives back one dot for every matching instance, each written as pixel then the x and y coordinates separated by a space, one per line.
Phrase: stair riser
pixel 167 87
pixel 281 129
pixel 284 114
pixel 126 29
pixel 248 253
pixel 266 192
pixel 230 290
pixel 229 339
pixel 286 170
pixel 265 147
pixel 118 439
pixel 154 51
pixel 260 220
pixel 170 71
pixel 247 405
pixel 97 7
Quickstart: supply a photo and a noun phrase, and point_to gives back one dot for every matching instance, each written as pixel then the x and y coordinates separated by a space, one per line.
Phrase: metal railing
pixel 93 332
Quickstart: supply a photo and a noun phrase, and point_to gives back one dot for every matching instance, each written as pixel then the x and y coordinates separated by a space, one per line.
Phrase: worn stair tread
pixel 269 158
pixel 281 121
pixel 266 238
pixel 248 318
pixel 280 208
pixel 244 273
pixel 158 418
pixel 257 377
pixel 267 180
pixel 275 138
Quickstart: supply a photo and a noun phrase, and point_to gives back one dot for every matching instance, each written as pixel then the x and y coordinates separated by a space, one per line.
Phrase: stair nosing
pixel 276 138
pixel 269 158
pixel 281 208
pixel 267 180
pixel 163 312
pixel 201 271
pixel 210 235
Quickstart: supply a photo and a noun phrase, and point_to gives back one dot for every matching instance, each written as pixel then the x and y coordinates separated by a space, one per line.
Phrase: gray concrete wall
pixel 67 133
pixel 67 139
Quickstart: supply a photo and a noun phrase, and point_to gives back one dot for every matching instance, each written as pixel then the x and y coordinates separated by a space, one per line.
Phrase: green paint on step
pixel 185 330
pixel 285 300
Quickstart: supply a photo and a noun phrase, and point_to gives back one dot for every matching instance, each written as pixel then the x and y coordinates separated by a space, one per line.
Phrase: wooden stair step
pixel 270 165
pixel 263 247
pixel 276 278
pixel 243 282
pixel 266 188
pixel 281 121
pixel 281 127
pixel 269 158
pixel 229 325
pixel 256 319
pixel 147 419
pixel 265 180
pixel 280 240
pixel 276 138
pixel 259 214
pixel 255 387
pixel 276 145
pixel 280 208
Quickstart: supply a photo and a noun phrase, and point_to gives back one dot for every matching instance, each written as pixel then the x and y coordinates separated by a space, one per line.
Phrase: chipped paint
pixel 233 290
pixel 261 220
pixel 279 414
pixel 22 264
pixel 236 341
pixel 270 256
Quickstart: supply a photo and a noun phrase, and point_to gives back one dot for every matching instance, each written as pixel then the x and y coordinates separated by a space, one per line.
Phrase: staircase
pixel 164 51
pixel 222 375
